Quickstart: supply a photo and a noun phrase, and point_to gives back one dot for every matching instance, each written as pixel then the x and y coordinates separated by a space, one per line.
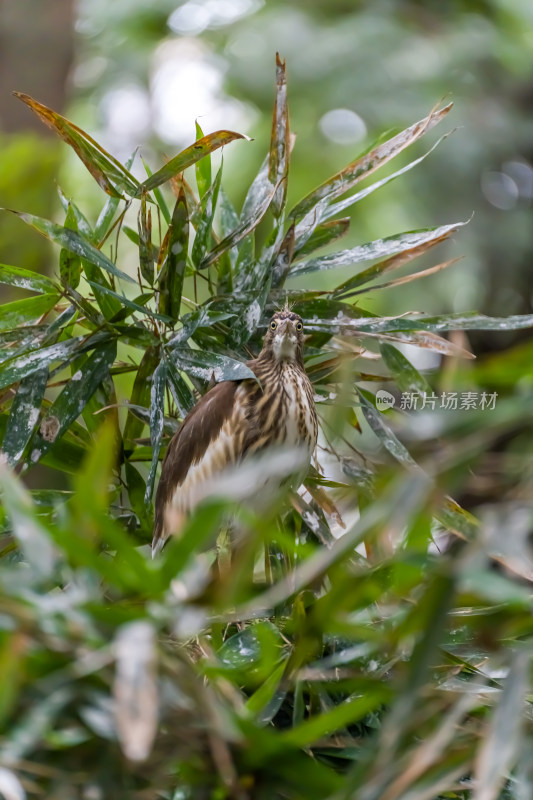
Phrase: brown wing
pixel 194 445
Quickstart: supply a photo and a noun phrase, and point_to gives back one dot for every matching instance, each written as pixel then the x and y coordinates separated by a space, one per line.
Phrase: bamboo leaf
pixel 202 167
pixel 146 250
pixel 106 170
pixel 207 366
pixel 392 245
pixel 384 433
pixel 71 241
pixel 368 163
pixel 406 376
pixel 278 168
pixel 323 234
pixel 20 312
pixel 203 147
pixel 173 269
pixel 205 225
pixel 71 401
pixel 140 396
pixel 70 263
pixel 26 279
pixel 157 420
pixel 24 415
pixel 125 301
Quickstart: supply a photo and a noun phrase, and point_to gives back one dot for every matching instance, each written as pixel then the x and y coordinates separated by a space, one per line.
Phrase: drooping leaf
pixel 278 168
pixel 406 376
pixel 125 301
pixel 24 415
pixel 369 162
pixel 181 393
pixel 323 234
pixel 208 144
pixel 109 173
pixel 140 395
pixel 71 241
pixel 157 419
pixel 26 279
pixel 109 304
pixel 384 433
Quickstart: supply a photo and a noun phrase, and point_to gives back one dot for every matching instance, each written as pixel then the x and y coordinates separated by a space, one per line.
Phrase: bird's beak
pixel 284 327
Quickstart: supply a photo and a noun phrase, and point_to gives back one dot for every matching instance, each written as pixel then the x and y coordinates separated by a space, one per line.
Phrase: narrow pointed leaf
pixel 368 163
pixel 243 229
pixel 157 420
pixel 206 366
pixel 208 144
pixel 425 273
pixel 26 279
pixel 103 293
pixel 384 433
pixel 69 404
pixel 70 263
pixel 205 226
pixel 325 233
pixel 82 223
pixel 392 245
pixel 175 264
pixel 406 376
pixel 181 393
pixel 109 173
pixel 202 167
pixel 24 415
pixel 140 395
pixel 72 242
pixel 146 255
pixel 125 301
pixel 19 312
pixel 278 168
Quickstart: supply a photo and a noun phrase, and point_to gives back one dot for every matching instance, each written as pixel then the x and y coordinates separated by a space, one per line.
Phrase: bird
pixel 237 420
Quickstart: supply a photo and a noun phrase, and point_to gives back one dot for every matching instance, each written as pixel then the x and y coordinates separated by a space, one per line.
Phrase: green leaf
pixel 71 241
pixel 24 415
pixel 106 170
pixel 200 149
pixel 278 167
pixel 205 226
pixel 26 279
pixel 69 404
pixel 203 167
pixel 368 163
pixel 384 433
pixel 70 263
pixel 247 225
pixel 392 245
pixel 206 366
pixel 172 273
pixel 140 395
pixel 109 305
pixel 181 393
pixel 125 301
pixel 20 312
pixel 401 369
pixel 322 235
pixel 146 250
pixel 157 419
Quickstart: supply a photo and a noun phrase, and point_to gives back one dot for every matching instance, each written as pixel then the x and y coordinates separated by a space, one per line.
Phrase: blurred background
pixel 136 72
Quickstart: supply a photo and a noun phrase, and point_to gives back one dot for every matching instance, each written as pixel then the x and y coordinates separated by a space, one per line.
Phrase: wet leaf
pixel 384 433
pixel 24 415
pixel 157 421
pixel 181 393
pixel 392 245
pixel 208 366
pixel 369 162
pixel 172 273
pixel 203 147
pixel 73 242
pixel 26 279
pixel 20 312
pixel 125 301
pixel 70 263
pixel 106 170
pixel 323 234
pixel 140 395
pixel 69 404
pixel 278 168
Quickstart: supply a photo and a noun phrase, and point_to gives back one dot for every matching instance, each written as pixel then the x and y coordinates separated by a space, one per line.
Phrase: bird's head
pixel 285 336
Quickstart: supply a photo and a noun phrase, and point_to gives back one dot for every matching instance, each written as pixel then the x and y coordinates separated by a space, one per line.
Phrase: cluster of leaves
pixel 337 674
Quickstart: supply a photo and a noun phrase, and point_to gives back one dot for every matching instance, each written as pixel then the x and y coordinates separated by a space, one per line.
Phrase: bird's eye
pixel 273 325
pixel 299 326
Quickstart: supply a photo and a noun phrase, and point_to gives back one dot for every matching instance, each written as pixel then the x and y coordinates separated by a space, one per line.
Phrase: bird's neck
pixel 268 358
